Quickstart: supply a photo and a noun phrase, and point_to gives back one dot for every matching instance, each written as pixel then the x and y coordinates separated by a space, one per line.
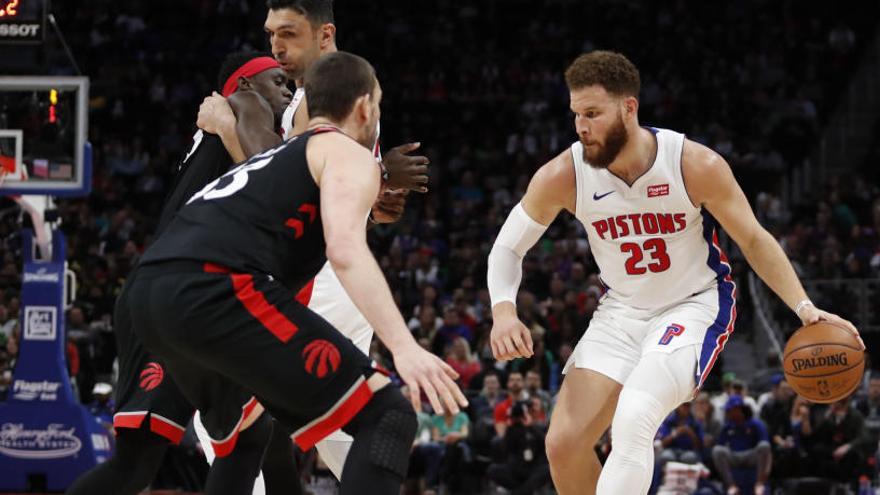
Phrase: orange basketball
pixel 824 362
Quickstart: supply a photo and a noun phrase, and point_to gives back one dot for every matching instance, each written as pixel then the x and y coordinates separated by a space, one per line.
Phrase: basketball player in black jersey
pixel 151 411
pixel 214 295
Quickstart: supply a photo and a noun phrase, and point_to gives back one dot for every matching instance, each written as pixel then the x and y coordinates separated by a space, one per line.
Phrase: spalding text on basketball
pixel 815 362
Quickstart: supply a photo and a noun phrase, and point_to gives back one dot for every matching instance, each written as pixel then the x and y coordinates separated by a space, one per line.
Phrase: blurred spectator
pixel 775 406
pixel 516 392
pixel 525 469
pixel 427 454
pixel 452 328
pixel 790 440
pixel 869 407
pixel 680 437
pixel 704 413
pixel 7 324
pixel 102 406
pixel 450 431
pixel 463 361
pixel 840 443
pixel 536 391
pixel 732 386
pixel 743 443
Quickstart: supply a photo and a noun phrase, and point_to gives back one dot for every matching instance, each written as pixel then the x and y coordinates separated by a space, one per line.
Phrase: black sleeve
pixel 209 161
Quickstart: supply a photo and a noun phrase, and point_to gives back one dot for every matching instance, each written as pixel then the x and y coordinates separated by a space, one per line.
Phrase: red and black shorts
pixel 144 390
pixel 228 338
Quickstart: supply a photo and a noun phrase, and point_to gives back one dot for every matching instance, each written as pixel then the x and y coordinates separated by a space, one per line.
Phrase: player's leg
pixel 677 354
pixel 310 377
pixel 594 375
pixel 658 385
pixel 280 469
pixel 237 472
pixel 134 464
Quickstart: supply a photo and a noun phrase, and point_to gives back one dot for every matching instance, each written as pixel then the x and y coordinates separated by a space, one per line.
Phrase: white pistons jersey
pixel 654 248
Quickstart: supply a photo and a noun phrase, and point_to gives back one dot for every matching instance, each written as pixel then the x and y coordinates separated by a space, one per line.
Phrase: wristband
pixel 801 305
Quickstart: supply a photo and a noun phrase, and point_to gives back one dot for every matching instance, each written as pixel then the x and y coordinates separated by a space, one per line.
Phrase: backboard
pixel 43 135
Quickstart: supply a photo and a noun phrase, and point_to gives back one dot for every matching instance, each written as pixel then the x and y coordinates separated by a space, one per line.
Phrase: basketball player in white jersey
pixel 647 198
pixel 300 31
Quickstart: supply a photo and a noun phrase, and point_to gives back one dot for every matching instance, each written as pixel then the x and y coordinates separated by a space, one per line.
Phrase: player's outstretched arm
pixel 544 199
pixel 711 184
pixel 349 181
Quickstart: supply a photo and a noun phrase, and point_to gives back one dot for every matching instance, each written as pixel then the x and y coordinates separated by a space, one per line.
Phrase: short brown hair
pixel 611 70
pixel 334 83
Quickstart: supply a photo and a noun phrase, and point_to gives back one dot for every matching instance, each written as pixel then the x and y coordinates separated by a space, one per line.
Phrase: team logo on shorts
pixel 152 376
pixel 322 358
pixel 672 330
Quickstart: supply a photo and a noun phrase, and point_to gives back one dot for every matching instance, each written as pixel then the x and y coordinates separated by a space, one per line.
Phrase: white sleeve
pixel 518 234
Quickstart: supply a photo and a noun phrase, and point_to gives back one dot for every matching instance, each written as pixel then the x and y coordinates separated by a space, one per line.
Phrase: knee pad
pixel 388 424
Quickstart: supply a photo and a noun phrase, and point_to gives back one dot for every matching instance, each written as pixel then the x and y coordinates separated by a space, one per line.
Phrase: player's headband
pixel 251 68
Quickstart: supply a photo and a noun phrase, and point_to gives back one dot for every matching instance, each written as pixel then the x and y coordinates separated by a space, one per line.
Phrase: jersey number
pixel 655 247
pixel 239 177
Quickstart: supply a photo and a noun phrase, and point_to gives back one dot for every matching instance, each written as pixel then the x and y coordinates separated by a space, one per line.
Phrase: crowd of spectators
pixel 480 85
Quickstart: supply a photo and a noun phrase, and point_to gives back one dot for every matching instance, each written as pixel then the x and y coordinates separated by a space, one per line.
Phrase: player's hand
pixel 406 171
pixel 510 338
pixel 388 208
pixel 215 115
pixel 425 372
pixel 811 314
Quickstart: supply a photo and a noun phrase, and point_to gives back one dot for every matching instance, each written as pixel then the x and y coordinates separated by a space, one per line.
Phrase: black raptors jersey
pixel 262 216
pixel 206 161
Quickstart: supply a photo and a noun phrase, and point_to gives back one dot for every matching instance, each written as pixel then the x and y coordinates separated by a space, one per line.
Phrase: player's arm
pixel 550 191
pixel 255 122
pixel 245 130
pixel 710 183
pixel 349 181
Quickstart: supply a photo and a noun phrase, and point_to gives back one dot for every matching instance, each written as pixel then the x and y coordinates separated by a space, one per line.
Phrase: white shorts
pixel 619 335
pixel 330 300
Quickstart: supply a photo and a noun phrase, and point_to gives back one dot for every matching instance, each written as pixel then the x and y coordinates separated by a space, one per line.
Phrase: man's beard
pixel 606 153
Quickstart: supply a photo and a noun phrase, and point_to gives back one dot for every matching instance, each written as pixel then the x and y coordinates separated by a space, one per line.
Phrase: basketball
pixel 823 362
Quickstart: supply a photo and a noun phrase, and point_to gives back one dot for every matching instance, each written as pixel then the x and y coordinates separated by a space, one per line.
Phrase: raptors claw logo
pixel 321 355
pixel 152 376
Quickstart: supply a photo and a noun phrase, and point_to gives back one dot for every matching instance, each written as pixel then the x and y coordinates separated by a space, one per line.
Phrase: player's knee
pixel 636 420
pixel 562 442
pixel 388 424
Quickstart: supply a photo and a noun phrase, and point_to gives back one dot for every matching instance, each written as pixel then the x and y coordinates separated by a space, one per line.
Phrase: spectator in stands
pixel 775 405
pixel 463 361
pixel 516 392
pixel 7 324
pixel 102 406
pixel 790 439
pixel 536 391
pixel 680 437
pixel 525 468
pixel 705 414
pixel 452 328
pixel 451 431
pixel 743 443
pixel 732 386
pixel 840 442
pixel 869 407
pixel 427 454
